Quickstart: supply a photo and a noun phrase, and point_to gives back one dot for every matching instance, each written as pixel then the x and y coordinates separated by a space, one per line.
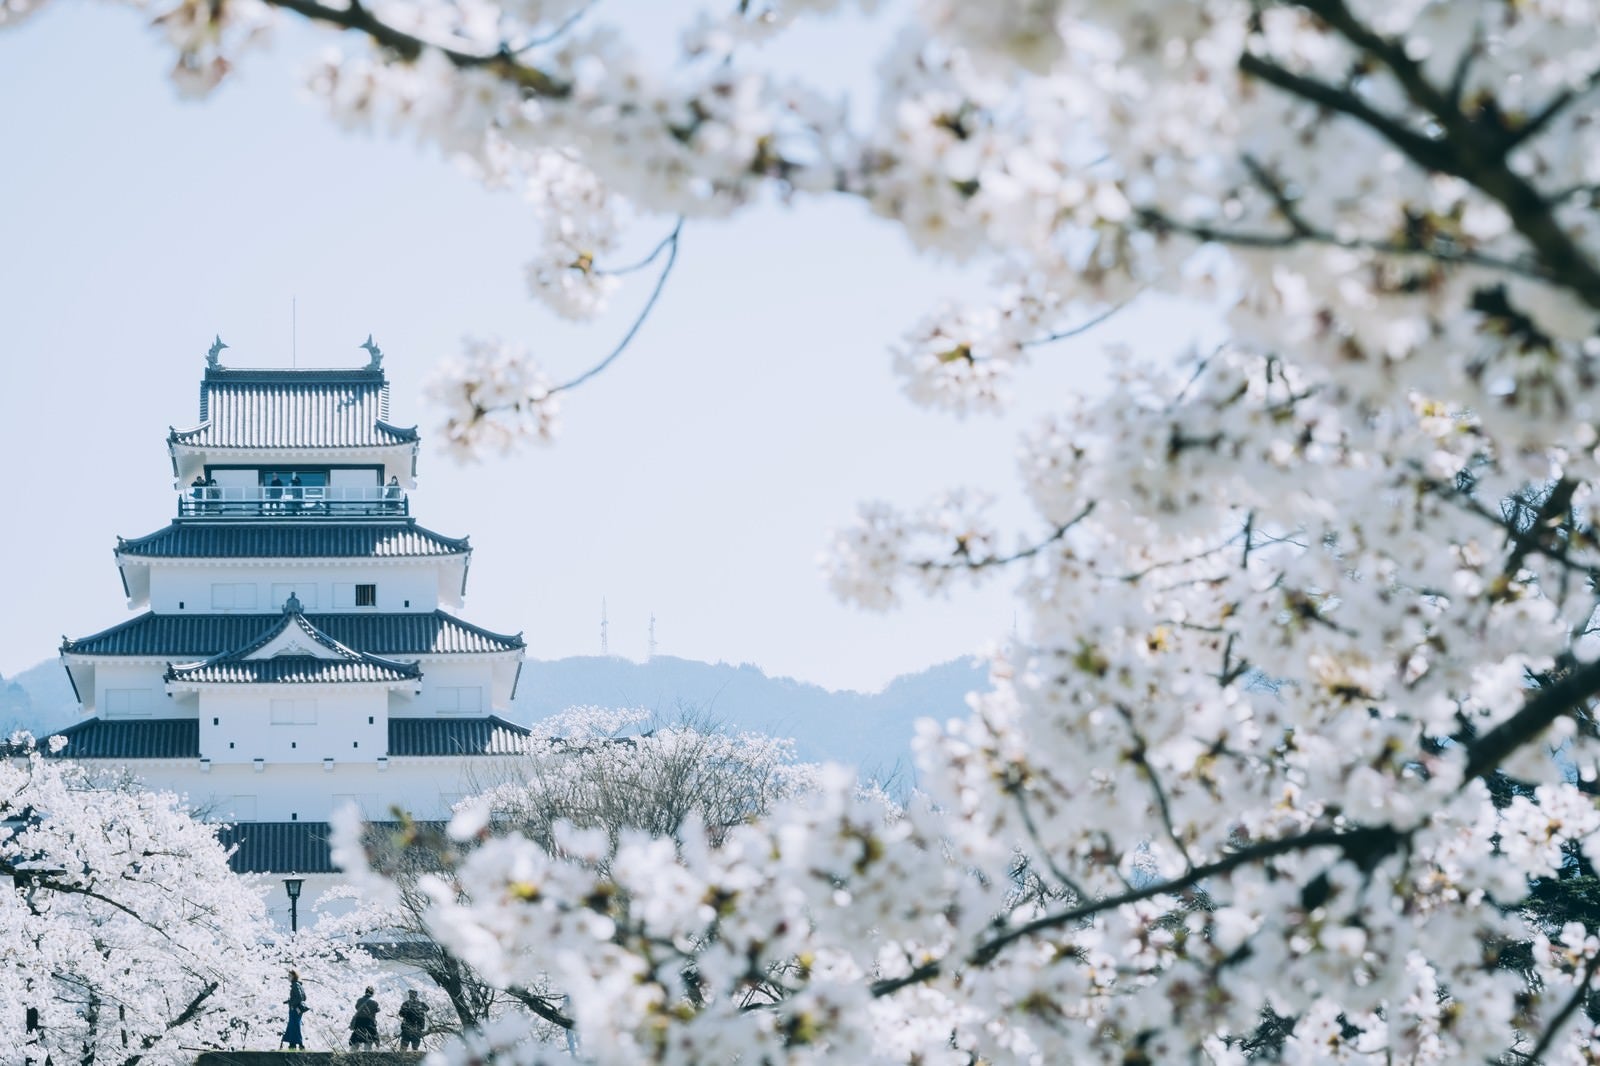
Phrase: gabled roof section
pixel 292 670
pixel 135 738
pixel 491 735
pixel 187 637
pixel 288 539
pixel 292 651
pixel 293 409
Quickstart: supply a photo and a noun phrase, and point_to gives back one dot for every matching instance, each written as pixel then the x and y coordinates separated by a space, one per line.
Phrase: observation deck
pixel 294 501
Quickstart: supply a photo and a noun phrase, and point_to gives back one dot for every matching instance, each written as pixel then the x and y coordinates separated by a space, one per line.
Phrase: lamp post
pixel 292 885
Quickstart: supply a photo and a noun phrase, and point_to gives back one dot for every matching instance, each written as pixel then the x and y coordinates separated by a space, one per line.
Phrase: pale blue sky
pixel 697 478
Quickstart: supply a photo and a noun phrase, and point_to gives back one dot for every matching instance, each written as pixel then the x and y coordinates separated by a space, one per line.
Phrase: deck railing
pixel 292 501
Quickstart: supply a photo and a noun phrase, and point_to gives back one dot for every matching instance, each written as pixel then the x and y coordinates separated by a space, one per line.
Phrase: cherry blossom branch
pixel 540 1006
pixel 1161 222
pixel 183 1017
pixel 1366 844
pixel 354 16
pixel 671 244
pixel 964 561
pixel 1140 758
pixel 1559 697
pixel 1567 1009
pixel 1476 150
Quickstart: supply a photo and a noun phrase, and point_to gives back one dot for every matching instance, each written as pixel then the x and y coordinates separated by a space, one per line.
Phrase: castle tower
pixel 295 650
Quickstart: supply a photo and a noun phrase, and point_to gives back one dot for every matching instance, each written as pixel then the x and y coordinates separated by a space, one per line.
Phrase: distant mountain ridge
pixel 870 730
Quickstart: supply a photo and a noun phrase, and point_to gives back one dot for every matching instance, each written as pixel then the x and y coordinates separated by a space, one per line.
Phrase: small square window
pixel 369 719
pixel 294 816
pixel 180 605
pixel 216 721
pixel 294 743
pixel 366 595
pixel 355 743
pixel 230 743
pixel 408 603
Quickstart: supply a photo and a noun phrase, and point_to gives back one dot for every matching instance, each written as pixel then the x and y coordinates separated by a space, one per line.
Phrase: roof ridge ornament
pixel 214 354
pixel 292 605
pixel 374 351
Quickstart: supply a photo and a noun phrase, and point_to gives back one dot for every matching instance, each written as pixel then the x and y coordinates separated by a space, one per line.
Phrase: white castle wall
pixel 294 723
pixel 282 792
pixel 232 588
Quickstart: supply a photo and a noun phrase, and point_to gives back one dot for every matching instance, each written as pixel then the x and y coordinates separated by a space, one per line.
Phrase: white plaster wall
pixel 284 792
pixel 400 587
pixel 131 678
pixel 351 723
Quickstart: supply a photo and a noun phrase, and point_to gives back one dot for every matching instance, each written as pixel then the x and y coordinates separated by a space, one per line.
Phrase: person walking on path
pixel 364 1026
pixel 297 1007
pixel 413 1020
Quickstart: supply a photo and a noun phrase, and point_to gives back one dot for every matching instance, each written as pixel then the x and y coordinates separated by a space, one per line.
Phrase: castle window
pixel 233 596
pixel 127 702
pixel 452 700
pixel 294 712
pixel 366 595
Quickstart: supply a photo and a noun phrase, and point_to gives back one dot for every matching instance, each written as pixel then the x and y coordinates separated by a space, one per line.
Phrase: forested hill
pixel 870 730
pixel 39 699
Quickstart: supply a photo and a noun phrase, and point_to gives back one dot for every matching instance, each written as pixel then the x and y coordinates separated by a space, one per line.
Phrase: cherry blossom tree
pixel 128 938
pixel 1392 206
pixel 591 774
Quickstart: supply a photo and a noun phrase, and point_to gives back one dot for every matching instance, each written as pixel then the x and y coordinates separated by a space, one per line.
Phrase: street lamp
pixel 292 885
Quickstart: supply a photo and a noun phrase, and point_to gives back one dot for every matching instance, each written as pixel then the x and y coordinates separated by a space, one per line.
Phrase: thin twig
pixel 557 33
pixel 967 563
pixel 1141 759
pixel 1082 327
pixel 655 253
pixel 671 243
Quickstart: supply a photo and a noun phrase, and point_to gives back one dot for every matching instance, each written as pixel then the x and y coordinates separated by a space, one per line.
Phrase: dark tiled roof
pixel 293 847
pixel 185 637
pixel 289 539
pixel 138 738
pixel 291 670
pixel 293 409
pixel 455 736
pixel 278 847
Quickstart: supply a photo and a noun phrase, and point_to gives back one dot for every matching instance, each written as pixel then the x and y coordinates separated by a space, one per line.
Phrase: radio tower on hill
pixel 652 634
pixel 605 640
